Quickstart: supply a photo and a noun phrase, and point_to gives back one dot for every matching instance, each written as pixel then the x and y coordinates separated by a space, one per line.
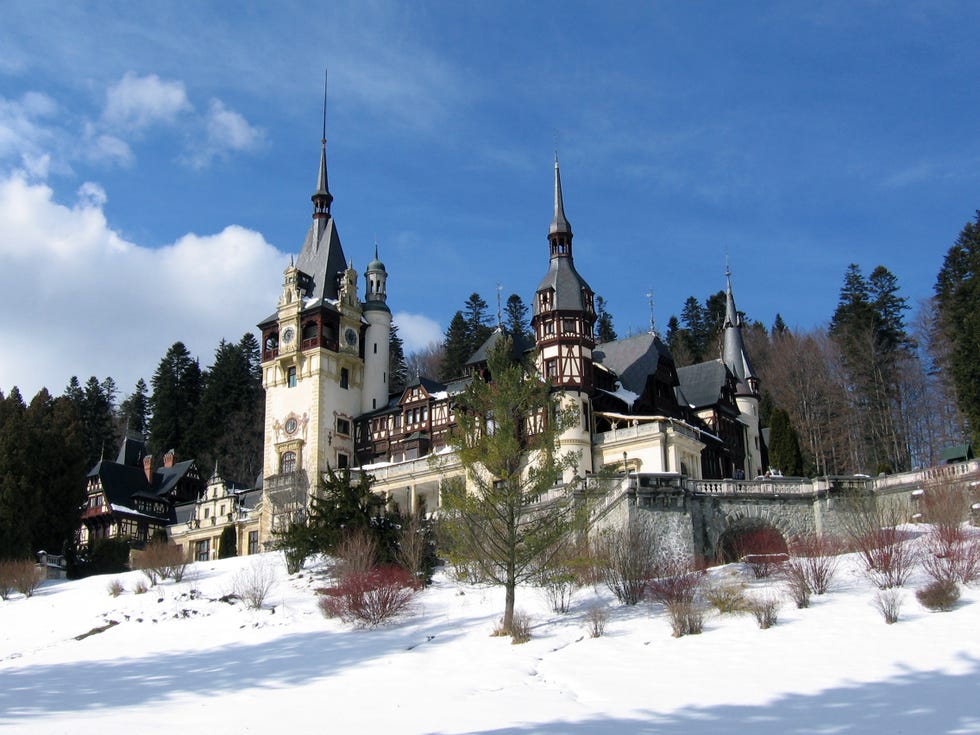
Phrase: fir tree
pixel 784 445
pixel 958 305
pixel 456 348
pixel 478 329
pixel 515 320
pixel 177 387
pixel 397 368
pixel 134 411
pixel 604 322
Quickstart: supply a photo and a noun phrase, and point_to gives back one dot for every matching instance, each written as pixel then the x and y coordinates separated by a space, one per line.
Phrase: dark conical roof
pixel 560 224
pixel 734 355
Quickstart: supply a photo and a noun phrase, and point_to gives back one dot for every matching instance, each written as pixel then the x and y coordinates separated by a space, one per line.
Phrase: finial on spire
pixel 323 137
pixel 500 313
pixel 322 196
pixel 653 323
pixel 559 225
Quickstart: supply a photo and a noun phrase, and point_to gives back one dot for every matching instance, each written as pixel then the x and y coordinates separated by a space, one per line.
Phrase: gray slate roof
pixel 632 359
pixel 322 258
pixel 701 385
pixel 568 285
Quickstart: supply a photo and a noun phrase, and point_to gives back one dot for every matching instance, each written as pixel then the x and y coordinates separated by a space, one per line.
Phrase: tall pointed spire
pixel 322 197
pixel 734 355
pixel 560 232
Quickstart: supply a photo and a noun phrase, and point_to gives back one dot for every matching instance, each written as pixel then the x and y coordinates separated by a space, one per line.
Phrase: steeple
pixel 322 196
pixel 560 232
pixel 734 355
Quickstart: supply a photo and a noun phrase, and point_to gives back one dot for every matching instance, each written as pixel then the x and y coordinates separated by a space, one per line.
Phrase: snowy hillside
pixel 180 660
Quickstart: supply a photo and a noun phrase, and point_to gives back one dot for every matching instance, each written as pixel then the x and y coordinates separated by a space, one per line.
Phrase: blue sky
pixel 156 160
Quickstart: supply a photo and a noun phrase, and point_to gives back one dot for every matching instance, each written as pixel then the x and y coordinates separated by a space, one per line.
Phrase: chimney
pixel 148 468
pixel 168 459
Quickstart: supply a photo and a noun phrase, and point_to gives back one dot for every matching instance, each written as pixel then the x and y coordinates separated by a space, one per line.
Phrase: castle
pixel 325 365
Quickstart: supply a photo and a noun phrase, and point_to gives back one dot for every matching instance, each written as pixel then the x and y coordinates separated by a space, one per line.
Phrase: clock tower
pixel 324 358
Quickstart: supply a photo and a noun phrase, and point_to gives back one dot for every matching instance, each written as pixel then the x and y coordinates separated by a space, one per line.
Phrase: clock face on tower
pixel 287 335
pixel 350 336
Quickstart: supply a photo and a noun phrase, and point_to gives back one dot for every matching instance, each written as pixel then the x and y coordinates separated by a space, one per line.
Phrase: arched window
pixel 287 462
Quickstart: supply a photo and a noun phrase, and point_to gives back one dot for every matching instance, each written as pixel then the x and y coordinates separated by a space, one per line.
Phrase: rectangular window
pixel 344 378
pixel 341 460
pixel 203 550
pixel 375 348
pixel 253 542
pixel 551 368
pixel 343 427
pixel 291 377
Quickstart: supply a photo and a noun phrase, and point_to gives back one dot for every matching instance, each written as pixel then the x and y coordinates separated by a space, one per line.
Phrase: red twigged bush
pixel 812 566
pixel 952 560
pixel 371 597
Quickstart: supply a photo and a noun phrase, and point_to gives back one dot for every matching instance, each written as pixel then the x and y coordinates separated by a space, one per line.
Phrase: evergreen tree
pixel 18 510
pixel 869 329
pixel 456 348
pixel 604 323
pixel 507 440
pixel 397 368
pixel 958 304
pixel 95 405
pixel 478 329
pixel 228 429
pixel 177 387
pixel 134 411
pixel 228 543
pixel 784 445
pixel 779 327
pixel 515 320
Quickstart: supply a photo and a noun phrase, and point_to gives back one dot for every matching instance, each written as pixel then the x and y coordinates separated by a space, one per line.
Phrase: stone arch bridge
pixel 719 519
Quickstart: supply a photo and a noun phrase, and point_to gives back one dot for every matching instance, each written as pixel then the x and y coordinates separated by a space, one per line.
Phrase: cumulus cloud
pixel 417 331
pixel 225 131
pixel 82 300
pixel 135 102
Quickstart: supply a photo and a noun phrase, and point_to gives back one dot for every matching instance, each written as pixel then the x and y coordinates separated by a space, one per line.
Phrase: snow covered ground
pixel 181 661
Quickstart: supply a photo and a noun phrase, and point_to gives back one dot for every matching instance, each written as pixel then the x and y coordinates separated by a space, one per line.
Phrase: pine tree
pixel 18 510
pixel 478 329
pixel 134 411
pixel 507 442
pixel 604 322
pixel 456 348
pixel 784 445
pixel 779 327
pixel 397 368
pixel 958 303
pixel 515 320
pixel 177 387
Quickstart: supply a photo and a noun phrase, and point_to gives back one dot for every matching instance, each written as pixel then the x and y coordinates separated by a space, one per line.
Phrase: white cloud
pixel 22 130
pixel 225 131
pixel 136 102
pixel 417 331
pixel 78 299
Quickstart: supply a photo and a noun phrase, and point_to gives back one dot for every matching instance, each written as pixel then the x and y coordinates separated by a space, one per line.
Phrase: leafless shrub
pixel 22 575
pixel 686 618
pixel 629 558
pixel 415 549
pixel 957 561
pixel 115 588
pixel 939 595
pixel 595 619
pixel 162 560
pixel 357 553
pixel 140 587
pixel 727 596
pixel 254 582
pixel 560 580
pixel 520 627
pixel 6 579
pixel 765 610
pixel 678 587
pixel 889 603
pixel 369 598
pixel 814 560
pixel 893 564
pixel 946 507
